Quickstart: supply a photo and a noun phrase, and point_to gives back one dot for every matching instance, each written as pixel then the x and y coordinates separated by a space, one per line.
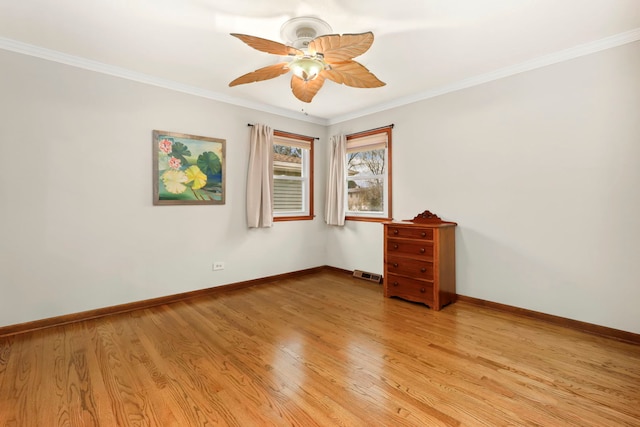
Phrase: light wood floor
pixel 320 350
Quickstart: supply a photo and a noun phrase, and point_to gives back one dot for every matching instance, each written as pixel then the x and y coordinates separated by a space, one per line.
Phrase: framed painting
pixel 188 169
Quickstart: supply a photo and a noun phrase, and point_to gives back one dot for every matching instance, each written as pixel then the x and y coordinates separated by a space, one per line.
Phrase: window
pixel 368 177
pixel 292 177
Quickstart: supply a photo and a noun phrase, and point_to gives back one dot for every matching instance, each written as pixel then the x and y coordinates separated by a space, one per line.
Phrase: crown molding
pixel 543 61
pixel 100 67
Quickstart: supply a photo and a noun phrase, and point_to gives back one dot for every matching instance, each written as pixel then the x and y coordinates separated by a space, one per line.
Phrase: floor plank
pixel 319 350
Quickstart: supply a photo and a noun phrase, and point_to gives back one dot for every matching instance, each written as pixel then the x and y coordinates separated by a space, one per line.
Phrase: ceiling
pixel 421 48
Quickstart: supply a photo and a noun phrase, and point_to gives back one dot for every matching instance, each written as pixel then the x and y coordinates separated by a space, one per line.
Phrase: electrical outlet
pixel 218 265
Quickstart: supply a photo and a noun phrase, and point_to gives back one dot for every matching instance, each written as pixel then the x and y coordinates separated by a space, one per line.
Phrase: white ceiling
pixel 421 48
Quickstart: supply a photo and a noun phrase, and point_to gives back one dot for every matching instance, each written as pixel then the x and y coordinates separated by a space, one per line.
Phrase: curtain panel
pixel 336 182
pixel 260 177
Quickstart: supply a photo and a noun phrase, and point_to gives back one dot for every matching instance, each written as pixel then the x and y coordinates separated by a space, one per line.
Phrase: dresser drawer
pixel 410 267
pixel 410 289
pixel 410 233
pixel 410 248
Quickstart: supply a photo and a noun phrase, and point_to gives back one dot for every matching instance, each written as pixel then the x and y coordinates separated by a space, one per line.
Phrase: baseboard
pixel 337 270
pixel 154 302
pixel 591 328
pixel 139 305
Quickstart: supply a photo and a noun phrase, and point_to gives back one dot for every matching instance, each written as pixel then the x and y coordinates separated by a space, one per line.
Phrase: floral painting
pixel 188 169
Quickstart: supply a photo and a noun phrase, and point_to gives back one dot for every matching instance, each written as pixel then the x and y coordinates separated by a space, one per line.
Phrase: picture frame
pixel 188 169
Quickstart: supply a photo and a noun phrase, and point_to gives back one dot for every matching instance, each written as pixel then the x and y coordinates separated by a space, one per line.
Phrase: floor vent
pixel 367 276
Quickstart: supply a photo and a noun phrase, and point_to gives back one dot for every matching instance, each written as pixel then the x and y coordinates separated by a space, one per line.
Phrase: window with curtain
pixel 368 177
pixel 292 177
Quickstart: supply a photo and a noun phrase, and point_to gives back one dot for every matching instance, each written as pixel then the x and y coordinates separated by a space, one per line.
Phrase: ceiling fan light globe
pixel 306 68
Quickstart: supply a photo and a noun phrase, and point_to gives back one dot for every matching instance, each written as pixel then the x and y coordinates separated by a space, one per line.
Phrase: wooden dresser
pixel 420 260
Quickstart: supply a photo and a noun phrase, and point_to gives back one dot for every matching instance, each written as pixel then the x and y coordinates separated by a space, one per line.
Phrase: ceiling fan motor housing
pixel 304 36
pixel 298 32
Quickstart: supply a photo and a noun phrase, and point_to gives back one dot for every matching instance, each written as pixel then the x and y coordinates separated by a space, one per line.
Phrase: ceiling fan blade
pixel 337 48
pixel 352 73
pixel 264 73
pixel 306 90
pixel 268 46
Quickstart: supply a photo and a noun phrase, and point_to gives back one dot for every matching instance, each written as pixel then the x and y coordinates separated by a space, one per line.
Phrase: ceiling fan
pixel 313 58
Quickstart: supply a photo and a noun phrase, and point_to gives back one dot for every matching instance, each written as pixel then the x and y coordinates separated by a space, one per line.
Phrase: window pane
pixel 365 195
pixel 366 163
pixel 287 195
pixel 368 181
pixel 287 160
pixel 292 177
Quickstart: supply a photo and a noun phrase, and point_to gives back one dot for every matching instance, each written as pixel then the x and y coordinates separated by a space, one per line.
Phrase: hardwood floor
pixel 319 350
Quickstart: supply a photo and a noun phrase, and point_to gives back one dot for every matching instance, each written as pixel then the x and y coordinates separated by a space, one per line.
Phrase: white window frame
pixel 306 144
pixel 369 141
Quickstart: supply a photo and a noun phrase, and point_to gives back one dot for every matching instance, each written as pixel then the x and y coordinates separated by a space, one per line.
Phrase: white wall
pixel 77 226
pixel 541 171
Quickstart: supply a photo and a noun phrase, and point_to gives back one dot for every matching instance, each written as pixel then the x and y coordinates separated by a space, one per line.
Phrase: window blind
pixel 377 141
pixel 291 142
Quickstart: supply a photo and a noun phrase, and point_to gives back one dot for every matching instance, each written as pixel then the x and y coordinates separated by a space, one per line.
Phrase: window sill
pixel 367 218
pixel 293 218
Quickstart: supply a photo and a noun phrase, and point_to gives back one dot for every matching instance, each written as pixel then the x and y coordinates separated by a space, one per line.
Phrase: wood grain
pixel 323 349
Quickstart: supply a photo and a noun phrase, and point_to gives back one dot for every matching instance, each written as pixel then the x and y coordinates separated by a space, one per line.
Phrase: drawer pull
pixel 395 246
pixel 423 234
pixel 395 283
pixel 423 290
pixel 422 250
pixel 423 270
pixel 395 231
pixel 395 264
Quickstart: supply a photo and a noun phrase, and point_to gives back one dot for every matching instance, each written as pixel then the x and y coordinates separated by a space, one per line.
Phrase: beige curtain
pixel 336 183
pixel 260 178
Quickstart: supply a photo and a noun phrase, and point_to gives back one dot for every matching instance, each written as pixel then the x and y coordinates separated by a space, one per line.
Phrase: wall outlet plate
pixel 218 265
